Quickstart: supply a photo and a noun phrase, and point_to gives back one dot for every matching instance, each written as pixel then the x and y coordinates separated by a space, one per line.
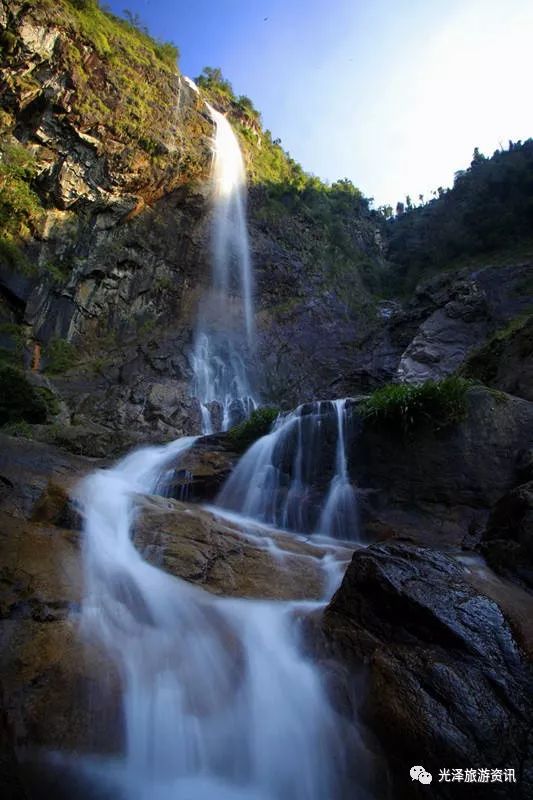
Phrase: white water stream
pixel 278 480
pixel 225 330
pixel 218 702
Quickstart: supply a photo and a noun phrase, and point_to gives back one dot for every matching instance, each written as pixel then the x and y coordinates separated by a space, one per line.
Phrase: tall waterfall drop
pixel 225 329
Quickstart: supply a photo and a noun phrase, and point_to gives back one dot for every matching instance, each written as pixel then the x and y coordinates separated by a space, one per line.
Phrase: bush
pixel 404 408
pixel 60 356
pixel 19 400
pixel 19 204
pixel 21 428
pixel 258 424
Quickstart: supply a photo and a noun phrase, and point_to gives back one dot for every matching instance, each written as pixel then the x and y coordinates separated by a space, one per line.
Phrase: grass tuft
pixel 405 408
pixel 258 424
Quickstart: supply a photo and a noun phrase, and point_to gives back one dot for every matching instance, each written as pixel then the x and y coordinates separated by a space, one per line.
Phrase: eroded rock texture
pixel 444 682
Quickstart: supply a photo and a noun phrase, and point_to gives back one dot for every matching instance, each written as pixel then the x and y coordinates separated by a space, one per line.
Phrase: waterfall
pixel 218 702
pixel 280 479
pixel 225 329
pixel 339 517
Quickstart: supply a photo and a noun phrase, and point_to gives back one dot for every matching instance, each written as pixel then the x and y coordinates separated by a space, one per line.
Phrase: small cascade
pixel 225 331
pixel 296 477
pixel 339 516
pixel 218 701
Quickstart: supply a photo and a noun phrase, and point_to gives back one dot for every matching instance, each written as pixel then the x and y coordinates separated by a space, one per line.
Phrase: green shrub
pixel 12 256
pixel 405 408
pixel 21 428
pixel 19 204
pixel 49 399
pixel 258 424
pixel 14 334
pixel 60 356
pixel 19 400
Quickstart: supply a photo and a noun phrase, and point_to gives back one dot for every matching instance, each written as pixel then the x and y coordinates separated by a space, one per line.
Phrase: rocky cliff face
pixel 114 252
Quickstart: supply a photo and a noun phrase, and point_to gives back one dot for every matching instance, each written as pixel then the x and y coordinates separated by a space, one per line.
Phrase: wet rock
pixel 505 361
pixel 58 693
pixel 446 683
pixel 202 471
pixel 55 506
pixel 454 475
pixel 508 539
pixel 226 558
pixel 27 467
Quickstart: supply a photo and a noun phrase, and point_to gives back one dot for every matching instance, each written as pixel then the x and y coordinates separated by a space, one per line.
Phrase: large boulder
pixel 455 474
pixel 226 558
pixel 27 467
pixel 505 361
pixel 468 308
pixel 446 684
pixel 446 337
pixel 508 539
pixel 201 472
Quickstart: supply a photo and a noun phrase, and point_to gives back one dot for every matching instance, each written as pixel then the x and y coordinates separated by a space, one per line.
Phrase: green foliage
pixel 405 408
pixel 19 204
pixel 167 52
pixel 106 31
pixel 258 424
pixel 248 109
pixel 15 339
pixel 60 356
pixel 145 327
pixel 84 5
pixel 58 271
pixel 49 399
pixel 490 206
pixel 20 428
pixel 12 255
pixel 214 82
pixel 133 100
pixel 19 400
pixel 164 284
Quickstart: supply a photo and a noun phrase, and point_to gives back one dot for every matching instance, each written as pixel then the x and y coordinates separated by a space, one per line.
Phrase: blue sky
pixel 393 94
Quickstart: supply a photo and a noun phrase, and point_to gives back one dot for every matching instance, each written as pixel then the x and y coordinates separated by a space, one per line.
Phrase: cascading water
pixel 217 700
pixel 225 330
pixel 339 517
pixel 280 480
